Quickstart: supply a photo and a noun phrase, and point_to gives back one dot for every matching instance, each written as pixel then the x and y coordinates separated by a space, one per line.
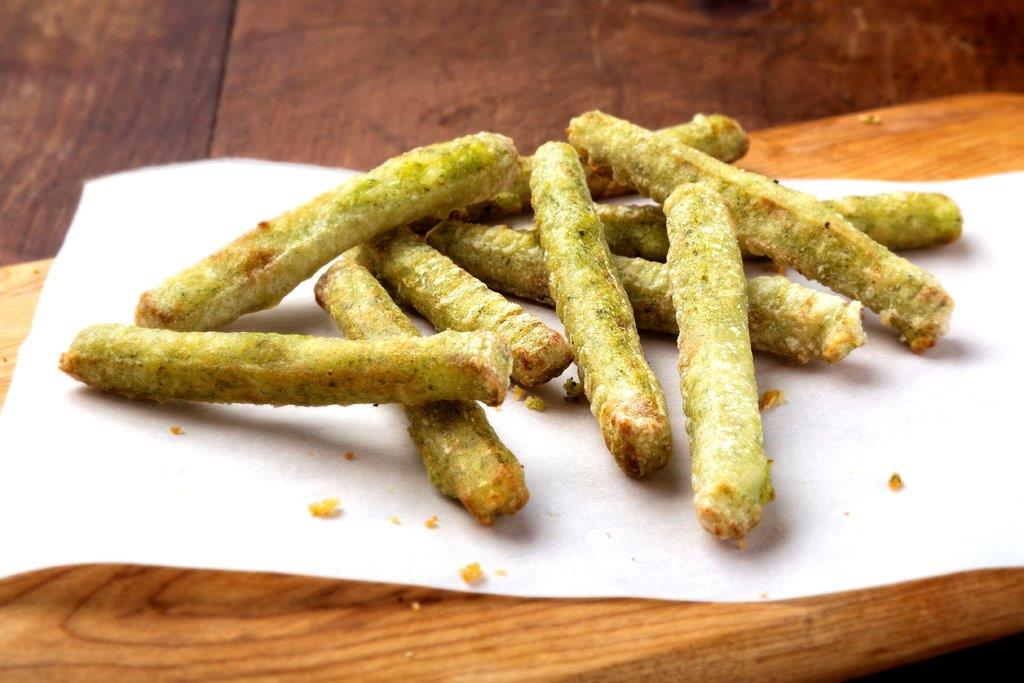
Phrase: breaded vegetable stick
pixel 624 394
pixel 714 134
pixel 903 220
pixel 785 318
pixel 716 368
pixel 256 270
pixel 462 455
pixel 452 299
pixel 898 220
pixel 288 369
pixel 791 227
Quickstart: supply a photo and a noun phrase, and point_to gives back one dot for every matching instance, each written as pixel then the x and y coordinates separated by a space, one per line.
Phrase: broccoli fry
pixel 288 369
pixel 716 368
pixel 624 394
pixel 462 455
pixel 257 269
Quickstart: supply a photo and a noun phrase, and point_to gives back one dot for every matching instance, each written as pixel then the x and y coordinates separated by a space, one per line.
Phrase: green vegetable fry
pixel 791 227
pixel 624 394
pixel 903 220
pixel 452 299
pixel 288 369
pixel 716 368
pixel 714 134
pixel 462 455
pixel 898 220
pixel 256 270
pixel 785 318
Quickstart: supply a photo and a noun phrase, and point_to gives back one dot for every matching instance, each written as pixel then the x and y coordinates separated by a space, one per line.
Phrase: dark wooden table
pixel 89 87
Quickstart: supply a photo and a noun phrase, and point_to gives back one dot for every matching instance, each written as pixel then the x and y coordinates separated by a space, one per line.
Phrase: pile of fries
pixel 412 231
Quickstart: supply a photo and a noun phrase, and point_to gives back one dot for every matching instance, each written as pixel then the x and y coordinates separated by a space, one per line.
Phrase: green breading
pixel 791 227
pixel 897 220
pixel 452 299
pixel 288 369
pixel 785 318
pixel 729 469
pixel 714 134
pixel 903 220
pixel 256 270
pixel 462 455
pixel 624 394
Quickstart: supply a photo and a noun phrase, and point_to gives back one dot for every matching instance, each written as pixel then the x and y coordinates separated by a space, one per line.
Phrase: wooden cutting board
pixel 107 622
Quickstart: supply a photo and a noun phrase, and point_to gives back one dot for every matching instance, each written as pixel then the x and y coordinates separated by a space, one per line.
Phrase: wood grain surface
pixel 128 622
pixel 88 87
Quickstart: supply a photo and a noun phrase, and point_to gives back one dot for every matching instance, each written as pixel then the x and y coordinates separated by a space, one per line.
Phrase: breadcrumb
pixel 742 544
pixel 471 573
pixel 870 119
pixel 349 455
pixel 573 390
pixel 895 482
pixel 535 403
pixel 395 519
pixel 415 606
pixel 518 393
pixel 176 430
pixel 501 572
pixel 328 507
pixel 431 523
pixel 773 398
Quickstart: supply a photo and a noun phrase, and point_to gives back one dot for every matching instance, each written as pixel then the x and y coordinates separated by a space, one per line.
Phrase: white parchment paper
pixel 88 477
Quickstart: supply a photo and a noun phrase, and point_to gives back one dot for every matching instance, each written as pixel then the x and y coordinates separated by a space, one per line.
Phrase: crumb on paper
pixel 500 572
pixel 518 393
pixel 608 534
pixel 773 398
pixel 177 430
pixel 415 606
pixel 349 455
pixel 535 403
pixel 328 507
pixel 431 523
pixel 764 596
pixel 471 573
pixel 573 390
pixel 741 544
pixel 870 119
pixel 395 519
pixel 895 482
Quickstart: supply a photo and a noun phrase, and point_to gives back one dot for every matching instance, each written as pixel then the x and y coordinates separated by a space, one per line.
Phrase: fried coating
pixel 288 369
pixel 624 394
pixel 785 318
pixel 259 268
pixel 452 299
pixel 463 457
pixel 729 469
pixel 791 227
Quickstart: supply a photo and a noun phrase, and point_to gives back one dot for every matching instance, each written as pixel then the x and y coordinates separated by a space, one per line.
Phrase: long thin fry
pixel 785 318
pixel 288 369
pixel 897 220
pixel 452 299
pixel 624 394
pixel 462 455
pixel 791 227
pixel 257 269
pixel 716 369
